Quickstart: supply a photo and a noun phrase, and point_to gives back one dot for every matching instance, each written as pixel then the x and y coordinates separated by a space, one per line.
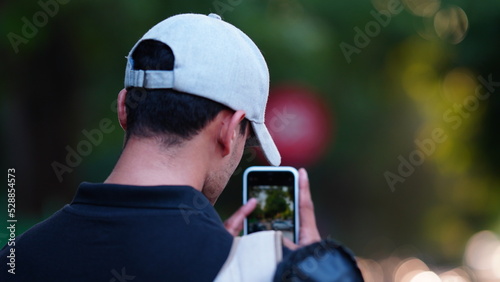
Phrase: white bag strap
pixel 253 257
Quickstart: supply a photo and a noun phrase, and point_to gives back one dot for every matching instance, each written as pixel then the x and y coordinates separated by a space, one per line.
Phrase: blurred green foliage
pixel 276 205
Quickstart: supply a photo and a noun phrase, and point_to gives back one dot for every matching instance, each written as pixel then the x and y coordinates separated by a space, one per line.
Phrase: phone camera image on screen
pixel 275 196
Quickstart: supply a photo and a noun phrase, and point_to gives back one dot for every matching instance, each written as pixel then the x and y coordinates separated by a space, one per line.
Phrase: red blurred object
pixel 300 123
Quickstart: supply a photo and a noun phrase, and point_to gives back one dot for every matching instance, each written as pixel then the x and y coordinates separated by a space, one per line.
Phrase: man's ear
pixel 230 130
pixel 122 109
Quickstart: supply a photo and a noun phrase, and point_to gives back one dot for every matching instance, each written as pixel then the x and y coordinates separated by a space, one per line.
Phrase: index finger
pixel 234 224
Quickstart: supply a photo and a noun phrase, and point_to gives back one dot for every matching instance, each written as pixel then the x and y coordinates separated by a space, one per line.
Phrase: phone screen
pixel 275 194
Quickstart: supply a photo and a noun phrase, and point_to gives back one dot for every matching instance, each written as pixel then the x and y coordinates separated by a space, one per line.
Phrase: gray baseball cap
pixel 214 60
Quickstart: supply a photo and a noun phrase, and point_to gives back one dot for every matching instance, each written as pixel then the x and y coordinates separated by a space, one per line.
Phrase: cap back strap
pixel 152 79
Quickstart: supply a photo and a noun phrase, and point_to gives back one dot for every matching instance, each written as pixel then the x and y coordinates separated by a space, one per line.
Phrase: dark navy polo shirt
pixel 123 233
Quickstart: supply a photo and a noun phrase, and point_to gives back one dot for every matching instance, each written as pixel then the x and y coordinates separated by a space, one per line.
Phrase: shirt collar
pixel 156 197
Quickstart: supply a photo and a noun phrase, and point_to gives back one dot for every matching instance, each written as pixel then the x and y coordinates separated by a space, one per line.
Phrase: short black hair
pixel 167 114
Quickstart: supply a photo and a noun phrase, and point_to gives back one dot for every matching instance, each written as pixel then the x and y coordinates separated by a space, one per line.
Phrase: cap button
pixel 215 16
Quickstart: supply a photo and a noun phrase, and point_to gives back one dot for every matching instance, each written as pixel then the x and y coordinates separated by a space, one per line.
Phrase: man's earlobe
pixel 122 109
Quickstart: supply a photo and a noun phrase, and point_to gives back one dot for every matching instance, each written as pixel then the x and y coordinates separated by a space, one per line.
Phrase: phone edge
pixel 296 194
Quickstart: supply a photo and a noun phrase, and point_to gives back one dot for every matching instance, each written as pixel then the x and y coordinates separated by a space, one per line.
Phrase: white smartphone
pixel 277 192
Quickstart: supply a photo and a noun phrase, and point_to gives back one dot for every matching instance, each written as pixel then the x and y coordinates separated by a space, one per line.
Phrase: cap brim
pixel 267 144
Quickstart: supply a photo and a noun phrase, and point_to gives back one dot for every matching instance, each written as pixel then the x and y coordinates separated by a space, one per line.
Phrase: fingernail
pixel 305 172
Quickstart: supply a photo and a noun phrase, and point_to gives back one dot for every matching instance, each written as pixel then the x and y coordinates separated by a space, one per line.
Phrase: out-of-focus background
pixel 392 105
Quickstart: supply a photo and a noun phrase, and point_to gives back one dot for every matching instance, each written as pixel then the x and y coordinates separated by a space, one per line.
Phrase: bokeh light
pixel 458 84
pixel 425 276
pixel 371 270
pixel 451 24
pixel 482 255
pixel 455 275
pixel 481 263
pixel 408 269
pixel 300 124
pixel 423 8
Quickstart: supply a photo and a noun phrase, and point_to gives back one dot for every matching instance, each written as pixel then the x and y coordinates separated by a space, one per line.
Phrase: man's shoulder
pixel 160 242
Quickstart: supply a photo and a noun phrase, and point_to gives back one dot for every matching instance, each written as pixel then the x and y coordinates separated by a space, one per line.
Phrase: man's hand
pixel 308 232
pixel 234 224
